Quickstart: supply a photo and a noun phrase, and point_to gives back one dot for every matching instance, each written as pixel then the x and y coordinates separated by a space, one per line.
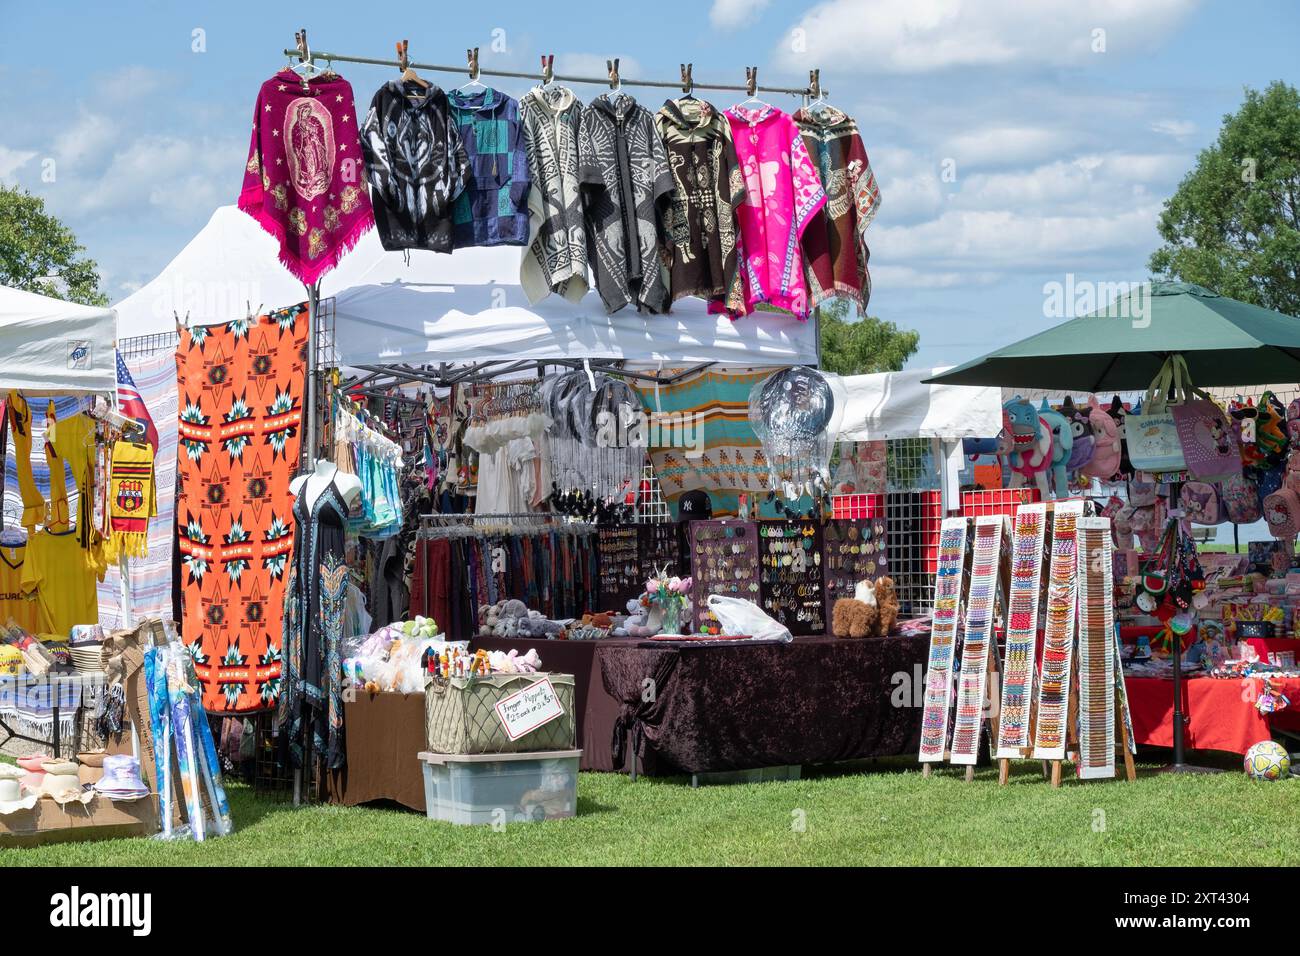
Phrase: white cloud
pixel 1005 145
pixel 729 14
pixel 919 36
pixel 12 160
pixel 1180 129
pixel 905 277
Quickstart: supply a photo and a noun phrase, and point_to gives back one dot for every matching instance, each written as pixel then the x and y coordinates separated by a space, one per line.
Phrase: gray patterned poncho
pixel 556 257
pixel 627 188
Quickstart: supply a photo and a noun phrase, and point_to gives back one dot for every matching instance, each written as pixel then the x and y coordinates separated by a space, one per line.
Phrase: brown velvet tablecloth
pixel 384 735
pixel 742 707
pixel 596 710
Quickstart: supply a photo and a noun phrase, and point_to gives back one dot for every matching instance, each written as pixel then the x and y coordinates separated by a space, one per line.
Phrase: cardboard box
pixel 100 819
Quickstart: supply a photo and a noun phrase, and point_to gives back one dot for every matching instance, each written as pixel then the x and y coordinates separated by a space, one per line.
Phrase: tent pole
pixel 310 425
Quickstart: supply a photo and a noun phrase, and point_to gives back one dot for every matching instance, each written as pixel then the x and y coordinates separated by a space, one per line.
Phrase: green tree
pixel 35 246
pixel 864 345
pixel 1234 223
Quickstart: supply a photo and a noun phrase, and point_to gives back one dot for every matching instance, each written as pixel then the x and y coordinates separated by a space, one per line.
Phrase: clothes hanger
pixel 751 86
pixel 688 82
pixel 472 57
pixel 615 81
pixel 409 76
pixel 306 66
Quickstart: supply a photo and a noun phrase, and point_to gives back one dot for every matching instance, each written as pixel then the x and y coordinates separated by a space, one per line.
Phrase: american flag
pixel 132 405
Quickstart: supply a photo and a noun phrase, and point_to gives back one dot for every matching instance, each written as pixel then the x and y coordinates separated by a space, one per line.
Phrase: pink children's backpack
pixel 1240 497
pixel 1107 449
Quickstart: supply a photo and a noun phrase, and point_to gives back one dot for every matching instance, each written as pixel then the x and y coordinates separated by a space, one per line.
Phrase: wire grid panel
pixel 651 507
pixel 912 523
pixel 138 346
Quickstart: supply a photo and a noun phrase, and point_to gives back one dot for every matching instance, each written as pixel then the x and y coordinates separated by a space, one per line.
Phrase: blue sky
pixel 1058 155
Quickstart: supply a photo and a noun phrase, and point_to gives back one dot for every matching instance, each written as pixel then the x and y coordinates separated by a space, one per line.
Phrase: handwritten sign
pixel 527 709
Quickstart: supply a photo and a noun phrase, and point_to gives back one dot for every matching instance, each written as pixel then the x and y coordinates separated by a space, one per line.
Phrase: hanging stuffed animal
pixel 1062 444
pixel 1032 444
pixel 1080 422
pixel 1106 450
pixel 1118 415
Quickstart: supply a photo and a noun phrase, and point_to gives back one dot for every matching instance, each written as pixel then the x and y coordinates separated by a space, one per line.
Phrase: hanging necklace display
pixel 659 549
pixel 794 414
pixel 1096 650
pixel 977 637
pixel 790 574
pixel 1058 633
pixel 1022 630
pixel 620 568
pixel 854 551
pixel 724 561
pixel 592 442
pixel 943 636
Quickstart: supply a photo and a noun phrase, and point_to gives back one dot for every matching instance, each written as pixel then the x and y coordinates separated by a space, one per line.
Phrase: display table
pixel 1221 714
pixel 733 707
pixel 596 710
pixel 384 733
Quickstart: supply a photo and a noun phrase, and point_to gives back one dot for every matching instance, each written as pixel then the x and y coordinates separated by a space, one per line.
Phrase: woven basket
pixel 460 715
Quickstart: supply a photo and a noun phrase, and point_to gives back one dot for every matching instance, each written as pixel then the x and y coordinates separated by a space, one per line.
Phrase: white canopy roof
pixel 898 405
pixel 52 347
pixel 456 308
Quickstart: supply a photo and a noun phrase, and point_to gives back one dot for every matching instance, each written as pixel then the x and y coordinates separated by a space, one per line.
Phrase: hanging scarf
pixel 303 181
pixel 132 498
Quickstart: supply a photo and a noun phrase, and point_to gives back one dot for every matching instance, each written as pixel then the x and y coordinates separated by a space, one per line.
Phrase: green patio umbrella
pixel 1121 347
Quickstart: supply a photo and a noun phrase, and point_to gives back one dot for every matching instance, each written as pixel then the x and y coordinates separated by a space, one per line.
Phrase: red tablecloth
pixel 1221 714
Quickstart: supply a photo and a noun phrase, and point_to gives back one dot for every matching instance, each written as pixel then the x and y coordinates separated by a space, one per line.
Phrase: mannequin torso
pixel 312 483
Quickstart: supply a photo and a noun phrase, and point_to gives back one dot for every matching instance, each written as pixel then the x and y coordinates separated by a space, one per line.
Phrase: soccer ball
pixel 1267 760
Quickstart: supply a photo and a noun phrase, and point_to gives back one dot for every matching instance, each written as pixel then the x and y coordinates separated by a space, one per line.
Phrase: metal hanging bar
pixel 750 87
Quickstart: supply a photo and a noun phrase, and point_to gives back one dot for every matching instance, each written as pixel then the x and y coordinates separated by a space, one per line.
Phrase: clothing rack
pixel 814 89
pixel 522 522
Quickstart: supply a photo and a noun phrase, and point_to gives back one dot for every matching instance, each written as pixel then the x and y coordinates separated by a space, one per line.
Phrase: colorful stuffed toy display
pixel 1031 442
pixel 1062 446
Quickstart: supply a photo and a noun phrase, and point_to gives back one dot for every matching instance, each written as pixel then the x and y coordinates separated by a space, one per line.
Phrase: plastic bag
pixel 741 618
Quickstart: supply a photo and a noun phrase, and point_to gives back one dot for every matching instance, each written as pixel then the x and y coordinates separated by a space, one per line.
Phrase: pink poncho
pixel 304 180
pixel 782 195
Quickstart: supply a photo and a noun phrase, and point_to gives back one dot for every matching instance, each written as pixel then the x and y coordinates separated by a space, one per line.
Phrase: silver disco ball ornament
pixel 791 413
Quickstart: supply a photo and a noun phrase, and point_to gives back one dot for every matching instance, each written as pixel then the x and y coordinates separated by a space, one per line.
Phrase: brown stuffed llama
pixel 853 618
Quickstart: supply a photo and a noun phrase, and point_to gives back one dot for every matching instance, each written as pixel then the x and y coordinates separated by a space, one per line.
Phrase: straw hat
pixel 10 790
pixel 62 783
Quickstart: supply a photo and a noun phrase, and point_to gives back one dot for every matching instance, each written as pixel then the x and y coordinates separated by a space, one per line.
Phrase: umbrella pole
pixel 1180 720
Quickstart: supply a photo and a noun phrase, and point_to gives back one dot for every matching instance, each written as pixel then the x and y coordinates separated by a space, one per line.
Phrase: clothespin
pixel 688 83
pixel 815 84
pixel 612 66
pixel 181 324
pixel 548 68
pixel 402 58
pixel 751 79
pixel 472 57
pixel 304 55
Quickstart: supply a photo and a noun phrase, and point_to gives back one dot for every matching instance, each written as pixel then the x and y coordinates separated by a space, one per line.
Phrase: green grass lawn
pixel 881 813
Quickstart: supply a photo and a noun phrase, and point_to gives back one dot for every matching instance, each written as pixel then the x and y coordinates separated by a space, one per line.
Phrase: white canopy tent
pixel 52 347
pixel 459 308
pixel 900 405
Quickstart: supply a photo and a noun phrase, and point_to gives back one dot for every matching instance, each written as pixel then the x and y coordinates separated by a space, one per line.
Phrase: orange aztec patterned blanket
pixel 240 387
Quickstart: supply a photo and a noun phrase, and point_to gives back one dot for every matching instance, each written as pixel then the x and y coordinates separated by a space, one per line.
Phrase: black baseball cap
pixel 694 506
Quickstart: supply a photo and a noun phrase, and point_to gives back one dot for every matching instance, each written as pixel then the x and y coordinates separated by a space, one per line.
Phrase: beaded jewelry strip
pixel 1058 634
pixel 972 682
pixel 943 636
pixel 1096 651
pixel 1022 630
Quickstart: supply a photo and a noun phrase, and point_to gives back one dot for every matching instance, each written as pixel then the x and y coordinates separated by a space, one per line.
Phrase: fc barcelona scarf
pixel 132 498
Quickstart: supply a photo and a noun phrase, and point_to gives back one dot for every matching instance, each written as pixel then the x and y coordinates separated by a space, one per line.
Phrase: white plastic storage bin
pixel 501 788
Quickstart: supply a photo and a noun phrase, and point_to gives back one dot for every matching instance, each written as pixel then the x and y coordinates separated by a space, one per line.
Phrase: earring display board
pixel 1058 633
pixel 943 637
pixel 854 551
pixel 659 550
pixel 972 682
pixel 1022 630
pixel 724 561
pixel 620 567
pixel 1096 651
pixel 790 571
